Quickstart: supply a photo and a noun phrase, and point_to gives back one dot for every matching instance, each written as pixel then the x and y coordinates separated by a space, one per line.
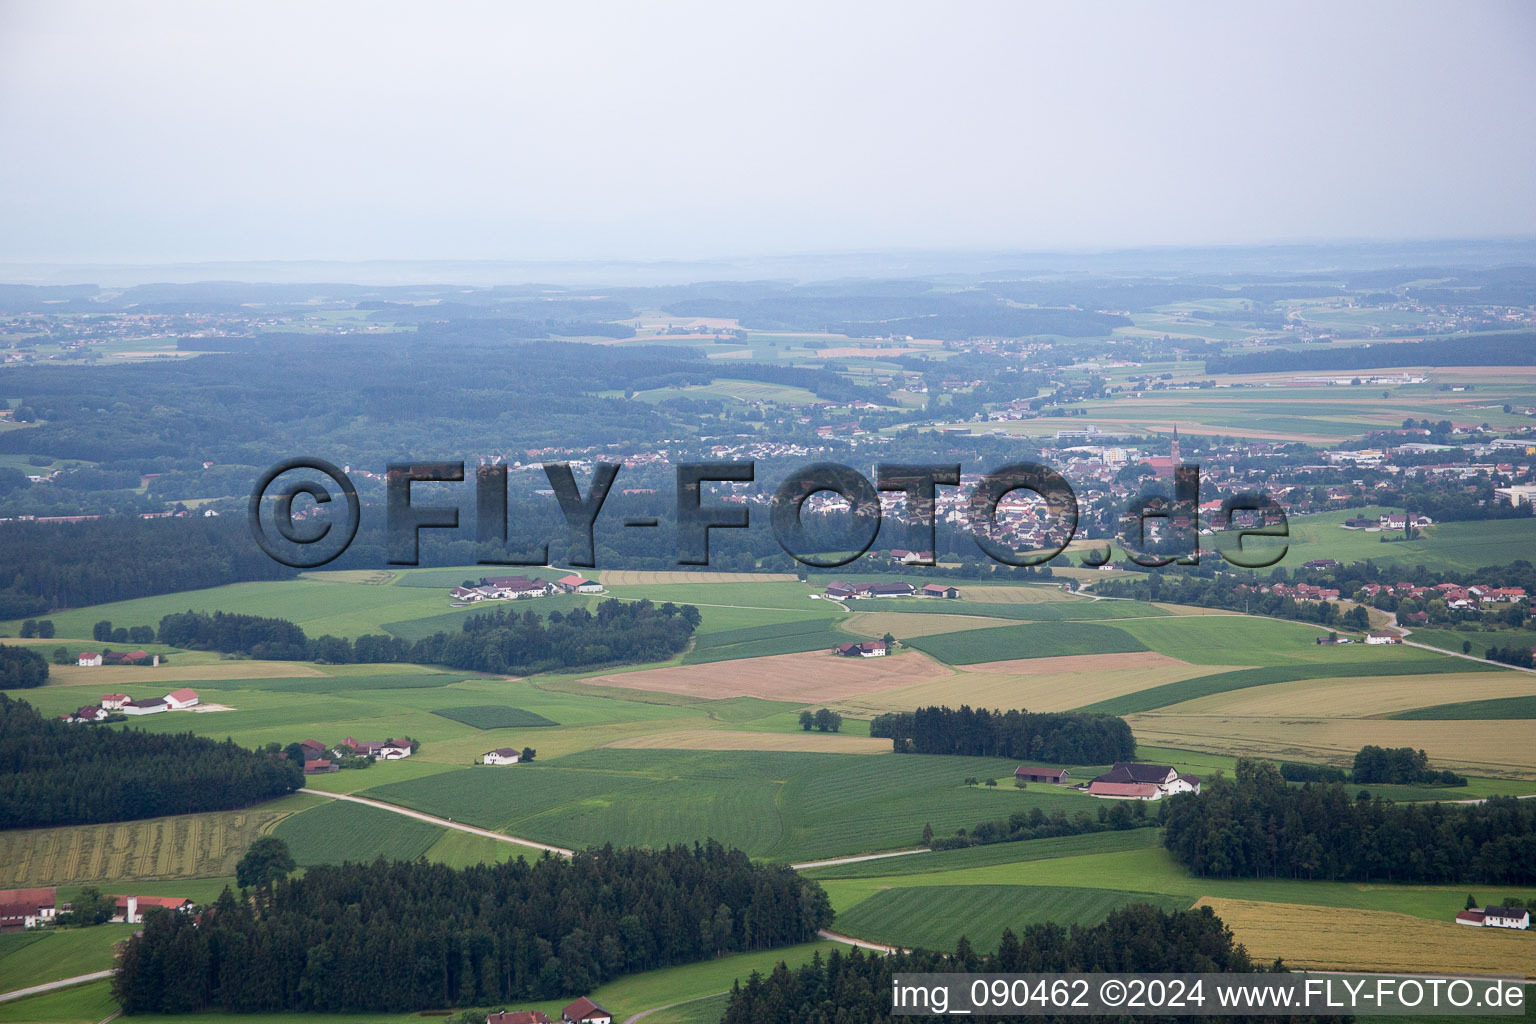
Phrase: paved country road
pixel 22 993
pixel 500 837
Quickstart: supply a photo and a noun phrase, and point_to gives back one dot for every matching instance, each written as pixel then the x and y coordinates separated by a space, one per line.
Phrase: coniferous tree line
pixel 1058 737
pixel 53 773
pixel 1399 766
pixel 392 937
pixel 856 988
pixel 21 668
pixel 1258 826
pixel 502 640
pixel 1518 655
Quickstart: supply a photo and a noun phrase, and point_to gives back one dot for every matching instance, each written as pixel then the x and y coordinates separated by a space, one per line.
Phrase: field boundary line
pixel 500 837
pixel 79 979
pixel 834 861
pixel 849 940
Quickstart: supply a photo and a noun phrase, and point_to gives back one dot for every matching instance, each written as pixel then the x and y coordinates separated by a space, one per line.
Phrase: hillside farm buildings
pixel 839 590
pixel 582 1011
pixel 502 755
pixel 1030 773
pixel 27 908
pixel 510 588
pixel 1128 781
pixel 1496 917
pixel 867 649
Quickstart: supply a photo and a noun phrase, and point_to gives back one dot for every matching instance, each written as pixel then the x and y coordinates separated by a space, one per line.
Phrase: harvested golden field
pixel 1038 684
pixel 122 678
pixel 184 846
pixel 906 624
pixel 1471 747
pixel 728 739
pixel 1372 940
pixel 1361 697
pixel 641 578
pixel 816 676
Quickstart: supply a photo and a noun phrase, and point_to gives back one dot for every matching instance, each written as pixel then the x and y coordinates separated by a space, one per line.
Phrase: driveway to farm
pixel 500 837
pixel 79 979
pixel 855 860
pixel 849 940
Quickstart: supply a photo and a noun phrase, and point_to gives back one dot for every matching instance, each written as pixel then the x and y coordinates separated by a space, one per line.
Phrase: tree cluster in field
pixel 1056 737
pixel 21 668
pixel 42 629
pixel 1234 593
pixel 115 559
pixel 53 773
pixel 1519 655
pixel 103 632
pixel 393 937
pixel 503 640
pixel 1021 826
pixel 856 988
pixel 1258 826
pixel 822 720
pixel 1399 766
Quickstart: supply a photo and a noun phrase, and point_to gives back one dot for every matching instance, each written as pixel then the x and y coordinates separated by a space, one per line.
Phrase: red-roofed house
pixel 26 908
pixel 115 701
pixel 519 1017
pixel 585 1011
pixel 574 584
pixel 130 909
pixel 180 700
pixel 938 590
pixel 867 649
pixel 1130 781
pixel 89 659
pixel 320 767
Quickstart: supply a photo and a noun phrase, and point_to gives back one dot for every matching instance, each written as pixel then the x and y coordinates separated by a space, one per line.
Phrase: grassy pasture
pixel 80 1004
pixel 1001 643
pixel 935 917
pixel 183 846
pixel 37 958
pixel 792 637
pixel 909 624
pixel 339 830
pixel 1452 547
pixel 780 805
pixel 1169 694
pixel 1373 940
pixel 1361 697
pixel 489 716
pixel 1223 639
pixel 994 853
pixel 1029 611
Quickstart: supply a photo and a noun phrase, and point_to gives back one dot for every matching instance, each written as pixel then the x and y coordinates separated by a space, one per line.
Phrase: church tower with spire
pixel 1173 449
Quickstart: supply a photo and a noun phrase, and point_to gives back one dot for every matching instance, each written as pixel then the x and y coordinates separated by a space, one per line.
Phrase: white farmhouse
pixel 502 755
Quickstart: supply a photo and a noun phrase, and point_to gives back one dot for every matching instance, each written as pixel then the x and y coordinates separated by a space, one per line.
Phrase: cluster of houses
pixel 838 590
pixel 121 703
pixel 582 1011
pixel 506 588
pixel 1125 780
pixel 1388 521
pixel 95 659
pixel 1296 591
pixel 1469 598
pixel 21 909
pixel 317 756
pixel 1496 917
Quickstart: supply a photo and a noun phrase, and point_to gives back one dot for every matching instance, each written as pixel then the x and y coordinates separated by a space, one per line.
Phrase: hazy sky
pixel 154 132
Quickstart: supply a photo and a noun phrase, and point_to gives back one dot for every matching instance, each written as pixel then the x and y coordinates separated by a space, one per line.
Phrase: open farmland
pixel 910 917
pixel 732 739
pixel 1034 640
pixel 1168 694
pixel 1497 709
pixel 1373 940
pixel 804 678
pixel 903 625
pixel 490 716
pixel 641 578
pixel 1038 684
pixel 183 846
pixel 781 805
pixel 339 830
pixel 1359 696
pixel 794 637
pixel 1464 746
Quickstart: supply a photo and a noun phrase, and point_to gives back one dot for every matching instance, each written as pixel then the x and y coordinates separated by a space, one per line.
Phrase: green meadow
pixel 1031 640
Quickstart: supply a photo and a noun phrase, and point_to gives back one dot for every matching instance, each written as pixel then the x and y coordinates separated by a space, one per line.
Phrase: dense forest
pixel 1258 826
pixel 21 668
pixel 52 773
pixel 1054 737
pixel 502 640
pixel 47 565
pixel 385 937
pixel 856 989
